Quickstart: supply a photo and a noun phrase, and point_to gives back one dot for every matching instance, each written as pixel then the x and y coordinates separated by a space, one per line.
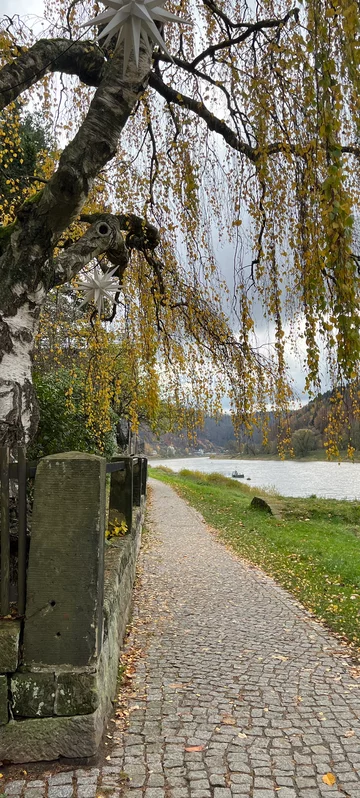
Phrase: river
pixel 289 478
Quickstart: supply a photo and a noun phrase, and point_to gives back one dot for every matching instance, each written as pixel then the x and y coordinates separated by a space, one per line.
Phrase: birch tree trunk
pixel 28 269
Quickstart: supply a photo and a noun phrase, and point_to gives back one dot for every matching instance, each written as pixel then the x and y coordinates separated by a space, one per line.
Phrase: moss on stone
pixel 76 693
pixel 33 694
pixel 9 645
pixel 4 712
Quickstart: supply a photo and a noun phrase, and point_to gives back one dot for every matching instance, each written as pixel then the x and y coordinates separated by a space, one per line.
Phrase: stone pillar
pixel 63 622
pixel 121 493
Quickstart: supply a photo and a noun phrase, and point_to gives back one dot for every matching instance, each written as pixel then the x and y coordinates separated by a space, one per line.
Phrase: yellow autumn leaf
pixel 329 779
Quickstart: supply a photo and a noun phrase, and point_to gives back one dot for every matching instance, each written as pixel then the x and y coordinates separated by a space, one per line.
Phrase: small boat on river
pixel 235 475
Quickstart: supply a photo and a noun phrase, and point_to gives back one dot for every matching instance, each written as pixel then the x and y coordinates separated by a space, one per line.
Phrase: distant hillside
pixel 307 423
pixel 215 436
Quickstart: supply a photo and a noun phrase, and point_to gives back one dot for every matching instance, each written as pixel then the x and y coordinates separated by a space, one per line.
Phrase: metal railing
pixel 13 472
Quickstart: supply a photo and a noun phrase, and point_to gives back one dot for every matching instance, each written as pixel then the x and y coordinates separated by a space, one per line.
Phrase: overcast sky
pixel 22 7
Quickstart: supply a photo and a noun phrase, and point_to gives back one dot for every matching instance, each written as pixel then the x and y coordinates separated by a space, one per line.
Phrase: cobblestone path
pixel 240 693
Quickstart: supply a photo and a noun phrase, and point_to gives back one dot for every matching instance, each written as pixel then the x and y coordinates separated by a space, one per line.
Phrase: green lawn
pixel 313 550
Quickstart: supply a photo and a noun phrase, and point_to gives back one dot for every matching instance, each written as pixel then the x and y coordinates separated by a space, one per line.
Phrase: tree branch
pixel 140 233
pixel 250 30
pixel 29 249
pixel 213 123
pixel 104 235
pixel 235 112
pixel 84 59
pixel 219 126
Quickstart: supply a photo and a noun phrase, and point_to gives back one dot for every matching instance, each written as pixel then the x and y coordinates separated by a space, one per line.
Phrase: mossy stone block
pixel 76 693
pixel 33 695
pixel 266 505
pixel 9 646
pixel 4 712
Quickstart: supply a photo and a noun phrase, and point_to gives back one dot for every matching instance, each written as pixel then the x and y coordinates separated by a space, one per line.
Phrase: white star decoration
pixel 133 20
pixel 98 287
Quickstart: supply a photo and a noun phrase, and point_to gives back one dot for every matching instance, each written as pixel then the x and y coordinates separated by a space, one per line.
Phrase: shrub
pixel 62 426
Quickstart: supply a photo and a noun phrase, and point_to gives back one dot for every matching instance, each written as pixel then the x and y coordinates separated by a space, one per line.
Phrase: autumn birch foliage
pixel 247 135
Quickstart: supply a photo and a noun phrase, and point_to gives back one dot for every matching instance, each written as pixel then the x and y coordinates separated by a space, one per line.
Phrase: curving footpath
pixel 239 694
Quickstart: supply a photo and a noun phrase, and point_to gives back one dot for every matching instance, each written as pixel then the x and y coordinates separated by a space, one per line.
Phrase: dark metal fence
pixel 125 493
pixel 128 487
pixel 16 475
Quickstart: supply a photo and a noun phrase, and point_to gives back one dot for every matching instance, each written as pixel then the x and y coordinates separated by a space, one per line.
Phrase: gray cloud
pixel 22 7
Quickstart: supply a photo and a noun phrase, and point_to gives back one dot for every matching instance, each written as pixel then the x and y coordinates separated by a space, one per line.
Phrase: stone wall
pixel 55 697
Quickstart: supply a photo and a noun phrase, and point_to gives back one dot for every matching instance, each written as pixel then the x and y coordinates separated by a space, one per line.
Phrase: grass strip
pixel 313 550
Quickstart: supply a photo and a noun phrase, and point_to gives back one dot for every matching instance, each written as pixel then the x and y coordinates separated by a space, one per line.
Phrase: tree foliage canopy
pixel 249 137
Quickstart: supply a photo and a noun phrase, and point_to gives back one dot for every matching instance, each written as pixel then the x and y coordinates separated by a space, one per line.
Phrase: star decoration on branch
pixel 98 287
pixel 133 21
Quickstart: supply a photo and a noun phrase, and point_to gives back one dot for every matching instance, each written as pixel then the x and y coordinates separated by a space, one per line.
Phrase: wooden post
pixel 22 530
pixel 5 531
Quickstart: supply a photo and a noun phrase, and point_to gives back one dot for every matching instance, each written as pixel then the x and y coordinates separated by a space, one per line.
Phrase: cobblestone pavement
pixel 240 693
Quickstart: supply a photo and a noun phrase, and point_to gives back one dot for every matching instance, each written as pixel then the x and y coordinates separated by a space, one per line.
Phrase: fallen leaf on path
pixel 349 733
pixel 228 720
pixel 175 685
pixel 242 734
pixel 278 656
pixel 195 748
pixel 329 779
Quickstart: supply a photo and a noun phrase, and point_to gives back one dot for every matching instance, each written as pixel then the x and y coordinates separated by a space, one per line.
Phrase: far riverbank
pixel 317 456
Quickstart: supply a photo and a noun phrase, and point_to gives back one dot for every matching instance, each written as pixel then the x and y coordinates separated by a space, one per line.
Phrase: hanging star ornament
pixel 98 287
pixel 133 21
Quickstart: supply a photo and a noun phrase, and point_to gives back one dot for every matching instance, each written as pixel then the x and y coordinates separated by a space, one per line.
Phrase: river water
pixel 289 478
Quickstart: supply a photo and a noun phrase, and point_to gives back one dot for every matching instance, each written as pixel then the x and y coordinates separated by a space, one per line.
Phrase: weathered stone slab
pixel 9 645
pixel 49 738
pixel 4 711
pixel 63 622
pixel 76 693
pixel 33 694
